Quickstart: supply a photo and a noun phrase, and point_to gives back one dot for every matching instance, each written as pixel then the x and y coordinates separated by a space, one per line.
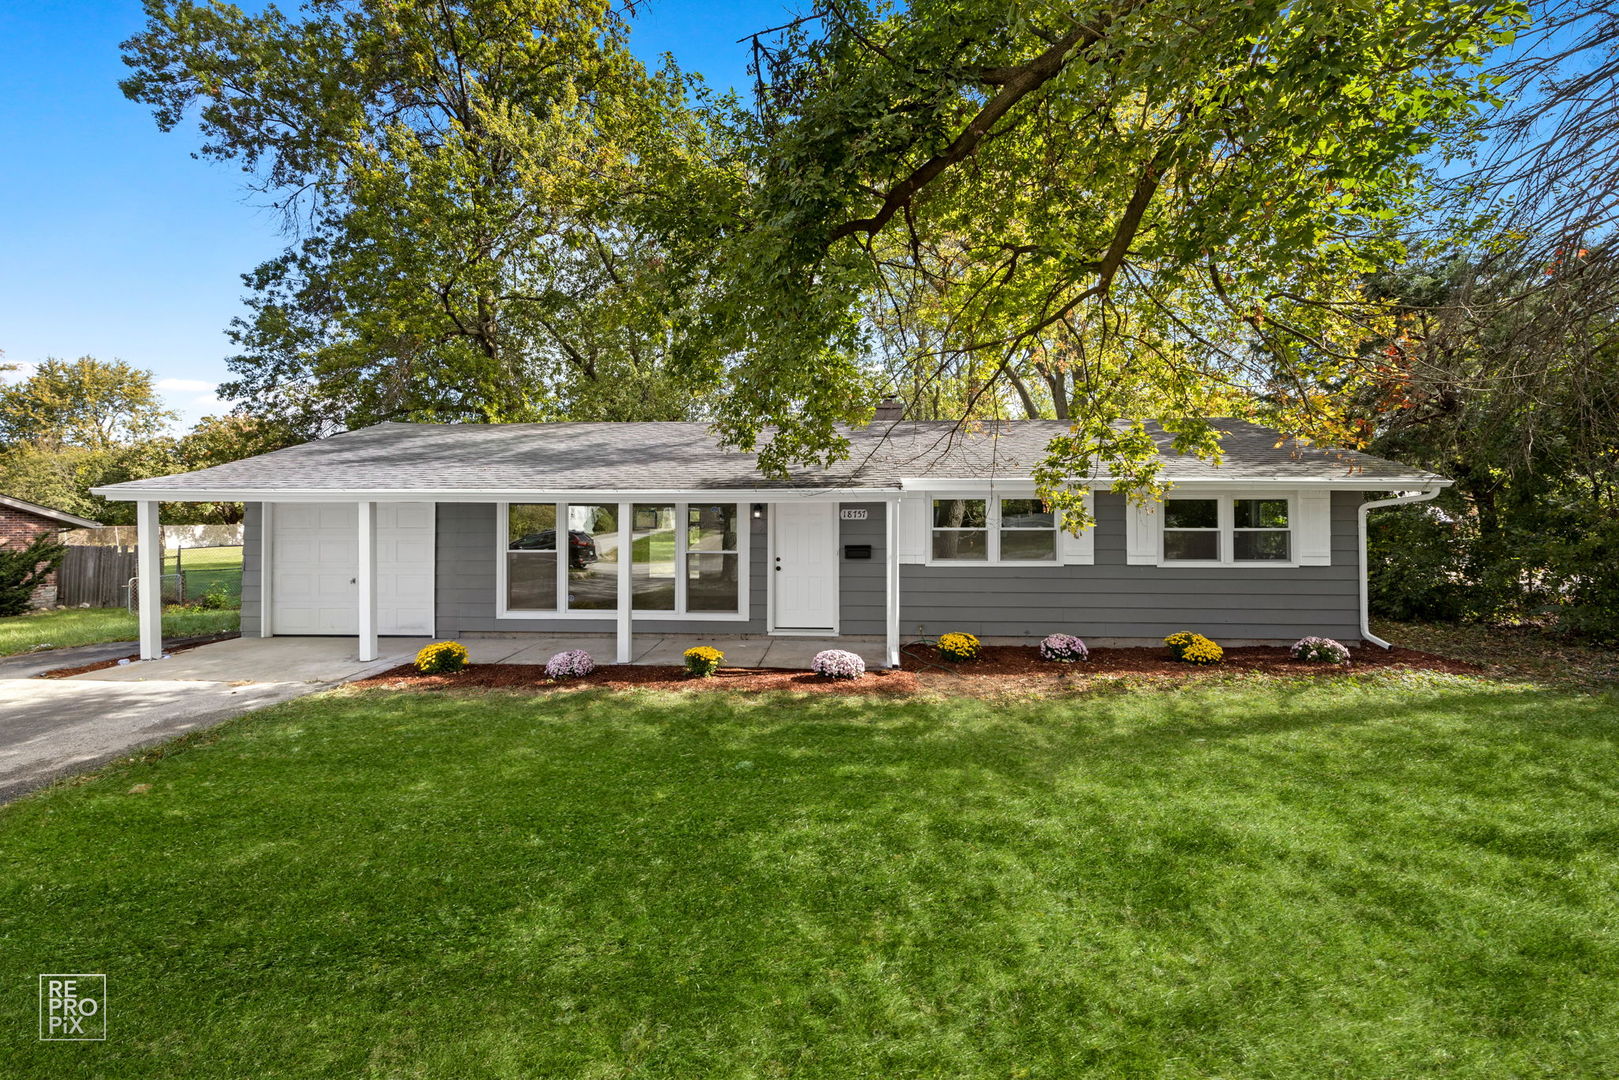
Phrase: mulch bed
pixel 999 667
pixel 637 677
pixel 168 646
pixel 1003 660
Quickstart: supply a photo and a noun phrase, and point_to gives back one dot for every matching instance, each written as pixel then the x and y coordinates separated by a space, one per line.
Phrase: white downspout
pixel 1365 508
pixel 891 582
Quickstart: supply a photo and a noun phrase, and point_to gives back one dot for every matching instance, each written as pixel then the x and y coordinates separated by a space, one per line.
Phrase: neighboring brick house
pixel 21 521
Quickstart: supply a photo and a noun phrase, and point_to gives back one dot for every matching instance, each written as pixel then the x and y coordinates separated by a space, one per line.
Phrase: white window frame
pixel 992 517
pixel 744 554
pixel 1227 529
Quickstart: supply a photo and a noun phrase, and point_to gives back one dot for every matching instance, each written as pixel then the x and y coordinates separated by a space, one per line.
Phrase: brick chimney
pixel 889 409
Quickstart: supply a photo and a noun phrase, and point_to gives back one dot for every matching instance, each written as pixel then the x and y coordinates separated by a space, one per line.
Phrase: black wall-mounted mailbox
pixel 857 551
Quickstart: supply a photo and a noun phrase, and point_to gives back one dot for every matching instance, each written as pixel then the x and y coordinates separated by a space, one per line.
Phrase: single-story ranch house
pixel 456 529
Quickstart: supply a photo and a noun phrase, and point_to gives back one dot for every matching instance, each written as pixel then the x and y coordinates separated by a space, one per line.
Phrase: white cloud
pixel 191 398
pixel 186 386
pixel 25 368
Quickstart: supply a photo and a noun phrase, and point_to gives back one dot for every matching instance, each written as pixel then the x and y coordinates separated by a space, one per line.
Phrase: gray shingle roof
pixel 686 456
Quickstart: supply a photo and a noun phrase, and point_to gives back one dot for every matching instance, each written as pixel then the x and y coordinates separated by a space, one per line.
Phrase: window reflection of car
pixel 581 547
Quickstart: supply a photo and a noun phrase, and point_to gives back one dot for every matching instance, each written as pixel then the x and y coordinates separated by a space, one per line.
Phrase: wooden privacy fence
pixel 97 576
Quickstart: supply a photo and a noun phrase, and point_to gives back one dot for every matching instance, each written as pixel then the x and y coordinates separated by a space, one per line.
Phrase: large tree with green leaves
pixel 73 424
pixel 468 182
pixel 89 403
pixel 1504 377
pixel 1129 207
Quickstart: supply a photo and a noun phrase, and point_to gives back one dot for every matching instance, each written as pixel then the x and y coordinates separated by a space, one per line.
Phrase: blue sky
pixel 114 242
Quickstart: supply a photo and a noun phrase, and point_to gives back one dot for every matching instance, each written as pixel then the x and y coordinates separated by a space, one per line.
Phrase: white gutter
pixel 1105 483
pixel 1365 508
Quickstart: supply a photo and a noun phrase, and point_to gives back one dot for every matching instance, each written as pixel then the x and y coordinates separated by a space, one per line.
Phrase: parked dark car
pixel 581 547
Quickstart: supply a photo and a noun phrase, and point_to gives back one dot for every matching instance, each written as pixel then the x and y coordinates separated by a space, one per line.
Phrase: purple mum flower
pixel 569 665
pixel 838 664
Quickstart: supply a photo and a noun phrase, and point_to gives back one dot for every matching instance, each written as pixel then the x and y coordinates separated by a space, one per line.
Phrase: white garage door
pixel 314 566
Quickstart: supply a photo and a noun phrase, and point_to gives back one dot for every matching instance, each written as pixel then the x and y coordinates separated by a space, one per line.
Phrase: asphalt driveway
pixel 56 727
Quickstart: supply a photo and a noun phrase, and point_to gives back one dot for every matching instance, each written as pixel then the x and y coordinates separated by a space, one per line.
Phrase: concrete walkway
pixel 791 653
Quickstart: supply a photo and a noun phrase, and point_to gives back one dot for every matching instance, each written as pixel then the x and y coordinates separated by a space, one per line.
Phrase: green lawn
pixel 206 568
pixel 90 626
pixel 1263 879
pixel 654 548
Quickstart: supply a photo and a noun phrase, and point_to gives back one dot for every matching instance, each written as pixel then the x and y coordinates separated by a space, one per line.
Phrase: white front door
pixel 804 568
pixel 314 553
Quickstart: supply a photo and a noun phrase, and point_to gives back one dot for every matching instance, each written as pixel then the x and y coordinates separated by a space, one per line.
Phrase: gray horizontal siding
pixel 252 567
pixel 862 583
pixel 1112 599
pixel 465 585
pixel 1109 599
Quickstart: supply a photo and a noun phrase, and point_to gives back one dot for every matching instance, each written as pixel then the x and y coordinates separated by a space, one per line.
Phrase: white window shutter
pixel 913 528
pixel 1313 532
pixel 1079 550
pixel 1141 523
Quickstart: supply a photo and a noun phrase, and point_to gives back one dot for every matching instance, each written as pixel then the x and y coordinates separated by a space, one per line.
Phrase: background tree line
pixel 71 425
pixel 1368 225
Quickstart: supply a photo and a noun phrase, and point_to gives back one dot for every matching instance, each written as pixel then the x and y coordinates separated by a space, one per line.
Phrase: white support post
pixel 367 580
pixel 891 554
pixel 626 550
pixel 149 578
pixel 266 563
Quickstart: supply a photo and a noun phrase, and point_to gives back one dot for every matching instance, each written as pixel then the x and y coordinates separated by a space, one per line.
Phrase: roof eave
pixel 67 520
pixel 134 493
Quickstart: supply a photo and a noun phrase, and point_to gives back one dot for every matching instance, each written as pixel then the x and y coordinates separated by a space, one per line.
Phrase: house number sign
pixel 852 515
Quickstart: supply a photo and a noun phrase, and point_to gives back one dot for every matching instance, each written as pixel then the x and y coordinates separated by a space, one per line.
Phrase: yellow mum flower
pixel 958 646
pixel 1177 642
pixel 703 660
pixel 1199 650
pixel 441 658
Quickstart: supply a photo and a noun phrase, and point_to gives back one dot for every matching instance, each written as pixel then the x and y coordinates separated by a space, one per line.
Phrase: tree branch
pixel 1016 84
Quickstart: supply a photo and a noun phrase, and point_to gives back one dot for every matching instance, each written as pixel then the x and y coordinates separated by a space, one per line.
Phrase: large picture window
pixel 1021 530
pixel 685 559
pixel 655 568
pixel 531 557
pixel 1227 529
pixel 713 558
pixel 592 557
